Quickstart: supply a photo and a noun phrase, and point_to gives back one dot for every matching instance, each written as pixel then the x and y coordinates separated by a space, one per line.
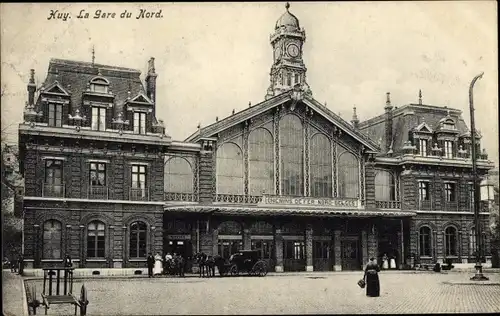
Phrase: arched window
pixel 321 166
pixel 472 241
pixel 261 162
pixel 425 242
pixel 385 187
pixel 450 244
pixel 138 240
pixel 292 156
pixel 95 240
pixel 178 176
pixel 229 169
pixel 348 175
pixel 52 239
pixel 99 84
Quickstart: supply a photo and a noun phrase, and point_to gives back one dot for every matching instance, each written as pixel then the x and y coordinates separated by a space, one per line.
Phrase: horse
pixel 179 266
pixel 207 264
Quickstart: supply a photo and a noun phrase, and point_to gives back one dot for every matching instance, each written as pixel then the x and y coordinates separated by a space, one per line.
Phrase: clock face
pixel 277 53
pixel 293 50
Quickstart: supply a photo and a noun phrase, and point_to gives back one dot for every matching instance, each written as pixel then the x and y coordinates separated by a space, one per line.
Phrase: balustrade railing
pixel 451 206
pixel 235 198
pixel 424 205
pixel 184 197
pixel 98 192
pixel 388 204
pixel 53 190
pixel 139 194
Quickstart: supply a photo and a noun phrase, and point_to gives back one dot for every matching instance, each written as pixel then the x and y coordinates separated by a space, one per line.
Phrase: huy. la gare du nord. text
pixel 100 14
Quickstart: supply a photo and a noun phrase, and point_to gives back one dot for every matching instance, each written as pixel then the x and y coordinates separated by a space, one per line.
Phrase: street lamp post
pixel 479 269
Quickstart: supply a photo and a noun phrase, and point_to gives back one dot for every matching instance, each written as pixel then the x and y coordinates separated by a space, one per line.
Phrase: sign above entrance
pixel 310 201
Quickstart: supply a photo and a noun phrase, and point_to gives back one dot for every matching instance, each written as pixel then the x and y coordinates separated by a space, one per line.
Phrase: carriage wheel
pixel 262 269
pixel 83 301
pixel 234 270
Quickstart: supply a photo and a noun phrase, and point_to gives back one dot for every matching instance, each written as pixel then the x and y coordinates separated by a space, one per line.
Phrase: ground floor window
pixel 266 248
pixel 321 249
pixel 52 239
pixel 95 240
pixel 228 247
pixel 450 241
pixel 425 241
pixel 138 240
pixel 294 250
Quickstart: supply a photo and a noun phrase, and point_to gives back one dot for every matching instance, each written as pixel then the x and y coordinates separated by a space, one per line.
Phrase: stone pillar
pixel 278 248
pixel 309 248
pixel 83 256
pixel 67 247
pixel 370 185
pixel 337 246
pixel 111 252
pixel 124 246
pixel 372 242
pixel 152 247
pixel 399 262
pixel 37 260
pixel 247 241
pixel 364 246
pixel 460 245
pixel 215 242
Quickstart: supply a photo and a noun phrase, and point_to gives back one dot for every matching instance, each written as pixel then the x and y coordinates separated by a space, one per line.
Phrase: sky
pixel 212 58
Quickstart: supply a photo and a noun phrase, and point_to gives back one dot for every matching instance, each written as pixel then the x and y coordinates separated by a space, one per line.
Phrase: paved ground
pixel 12 294
pixel 285 294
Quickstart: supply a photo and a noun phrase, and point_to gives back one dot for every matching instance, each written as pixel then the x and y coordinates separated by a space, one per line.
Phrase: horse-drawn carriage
pixel 248 261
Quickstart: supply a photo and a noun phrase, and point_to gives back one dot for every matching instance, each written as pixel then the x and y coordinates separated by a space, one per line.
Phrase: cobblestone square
pixel 311 293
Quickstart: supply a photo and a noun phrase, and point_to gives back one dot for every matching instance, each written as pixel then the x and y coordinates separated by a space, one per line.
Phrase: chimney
pixel 355 121
pixel 31 88
pixel 151 80
pixel 388 123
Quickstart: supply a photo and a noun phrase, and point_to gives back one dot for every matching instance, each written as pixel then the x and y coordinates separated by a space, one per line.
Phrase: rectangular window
pixel 423 191
pixel 53 185
pixel 288 79
pixel 99 88
pixel 423 147
pixel 97 174
pixel 98 119
pixel 448 149
pixel 138 191
pixel 449 190
pixel 297 78
pixel 139 122
pixel 55 115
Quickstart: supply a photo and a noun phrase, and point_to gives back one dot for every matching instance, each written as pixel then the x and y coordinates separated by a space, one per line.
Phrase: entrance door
pixel 294 255
pixel 183 248
pixel 322 255
pixel 351 259
pixel 266 248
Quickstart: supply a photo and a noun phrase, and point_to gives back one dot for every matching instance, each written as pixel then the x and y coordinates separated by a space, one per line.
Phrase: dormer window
pixel 448 126
pixel 447 123
pixel 55 115
pixel 423 147
pixel 448 149
pixel 139 122
pixel 98 118
pixel 99 85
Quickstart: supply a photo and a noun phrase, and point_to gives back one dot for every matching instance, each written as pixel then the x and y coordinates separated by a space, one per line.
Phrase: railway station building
pixel 106 184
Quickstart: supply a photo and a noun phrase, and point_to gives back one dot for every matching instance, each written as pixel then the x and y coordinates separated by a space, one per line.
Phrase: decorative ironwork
pixel 334 166
pixel 306 153
pixel 53 190
pixel 120 123
pixel 361 176
pixel 98 192
pixel 139 194
pixel 196 172
pixel 388 204
pixel 234 198
pixel 277 149
pixel 245 157
pixel 184 197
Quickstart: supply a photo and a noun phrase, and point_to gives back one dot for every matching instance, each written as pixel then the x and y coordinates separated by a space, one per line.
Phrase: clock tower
pixel 288 69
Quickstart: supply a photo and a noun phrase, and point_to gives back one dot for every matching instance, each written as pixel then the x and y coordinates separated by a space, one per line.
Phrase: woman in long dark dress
pixel 371 278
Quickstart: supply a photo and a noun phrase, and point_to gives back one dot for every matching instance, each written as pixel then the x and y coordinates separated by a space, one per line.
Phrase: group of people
pixel 16 264
pixel 170 264
pixel 388 262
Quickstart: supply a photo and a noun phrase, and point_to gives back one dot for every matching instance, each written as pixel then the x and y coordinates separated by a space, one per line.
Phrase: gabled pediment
pixel 277 102
pixel 423 128
pixel 141 98
pixel 56 88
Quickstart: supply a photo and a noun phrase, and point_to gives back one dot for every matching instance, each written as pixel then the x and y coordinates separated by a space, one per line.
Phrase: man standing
pixel 151 263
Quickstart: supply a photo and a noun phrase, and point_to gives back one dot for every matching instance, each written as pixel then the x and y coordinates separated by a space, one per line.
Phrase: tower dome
pixel 288 20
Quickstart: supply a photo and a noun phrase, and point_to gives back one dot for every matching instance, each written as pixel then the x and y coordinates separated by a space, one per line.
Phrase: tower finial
pixel 93 55
pixel 354 120
pixel 420 96
pixel 287 6
pixel 388 98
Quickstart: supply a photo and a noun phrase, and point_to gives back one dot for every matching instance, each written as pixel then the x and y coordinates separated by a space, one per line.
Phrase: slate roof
pixel 73 76
pixel 408 117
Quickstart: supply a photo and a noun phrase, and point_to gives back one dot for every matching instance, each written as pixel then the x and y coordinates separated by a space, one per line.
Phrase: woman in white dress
pixel 393 263
pixel 385 262
pixel 158 268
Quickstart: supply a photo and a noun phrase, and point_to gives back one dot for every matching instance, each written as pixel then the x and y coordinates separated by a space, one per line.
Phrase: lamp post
pixel 479 269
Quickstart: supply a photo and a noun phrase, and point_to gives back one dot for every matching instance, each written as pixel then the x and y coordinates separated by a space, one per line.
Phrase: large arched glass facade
pixel 229 169
pixel 385 188
pixel 321 166
pixel 348 173
pixel 261 162
pixel 292 155
pixel 178 176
